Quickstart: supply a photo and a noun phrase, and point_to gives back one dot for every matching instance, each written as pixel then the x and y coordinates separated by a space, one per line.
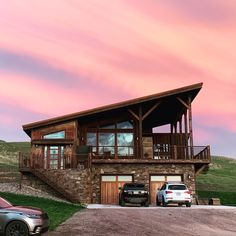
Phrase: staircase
pixel 72 184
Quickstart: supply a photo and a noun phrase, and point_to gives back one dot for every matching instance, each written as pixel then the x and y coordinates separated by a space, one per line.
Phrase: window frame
pixel 115 131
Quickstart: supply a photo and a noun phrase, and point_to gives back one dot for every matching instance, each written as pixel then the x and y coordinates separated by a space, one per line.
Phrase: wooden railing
pixel 72 161
pixel 182 152
pixel 33 161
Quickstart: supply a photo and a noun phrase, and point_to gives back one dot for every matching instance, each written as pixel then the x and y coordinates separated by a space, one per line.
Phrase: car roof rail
pixel 174 182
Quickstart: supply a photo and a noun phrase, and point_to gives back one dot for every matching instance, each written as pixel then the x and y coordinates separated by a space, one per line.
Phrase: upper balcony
pixel 172 154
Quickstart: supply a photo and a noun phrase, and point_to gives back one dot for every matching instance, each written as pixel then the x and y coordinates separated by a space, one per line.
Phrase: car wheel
pixel 157 202
pixel 16 228
pixel 164 204
pixel 180 204
pixel 188 204
pixel 146 204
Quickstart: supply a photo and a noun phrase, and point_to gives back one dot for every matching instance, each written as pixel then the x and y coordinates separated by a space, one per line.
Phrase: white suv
pixel 173 193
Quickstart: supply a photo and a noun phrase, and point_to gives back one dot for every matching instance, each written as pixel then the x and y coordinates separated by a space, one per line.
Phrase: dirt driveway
pixel 151 221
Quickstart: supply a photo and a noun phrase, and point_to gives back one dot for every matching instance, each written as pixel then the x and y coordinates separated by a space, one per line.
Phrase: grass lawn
pixel 219 181
pixel 58 211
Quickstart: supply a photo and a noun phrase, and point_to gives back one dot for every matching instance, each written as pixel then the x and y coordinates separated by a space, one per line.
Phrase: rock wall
pixel 141 173
pixel 83 185
pixel 71 184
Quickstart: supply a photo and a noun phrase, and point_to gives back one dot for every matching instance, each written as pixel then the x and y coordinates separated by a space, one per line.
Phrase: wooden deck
pixel 176 154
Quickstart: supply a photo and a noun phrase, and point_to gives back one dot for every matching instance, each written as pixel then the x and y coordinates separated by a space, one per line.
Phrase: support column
pixel 190 122
pixel 186 128
pixel 190 126
pixel 141 131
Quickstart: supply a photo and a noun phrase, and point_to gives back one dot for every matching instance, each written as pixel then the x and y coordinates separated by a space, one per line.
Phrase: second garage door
pixel 110 187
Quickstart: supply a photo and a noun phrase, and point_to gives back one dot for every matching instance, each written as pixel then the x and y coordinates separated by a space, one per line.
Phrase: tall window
pixel 53 157
pixel 113 139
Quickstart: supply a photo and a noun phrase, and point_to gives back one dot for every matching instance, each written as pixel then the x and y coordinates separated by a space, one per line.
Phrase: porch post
pixel 141 131
pixel 190 125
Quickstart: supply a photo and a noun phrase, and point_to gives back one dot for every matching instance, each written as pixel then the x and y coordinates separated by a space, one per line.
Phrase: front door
pixel 110 187
pixel 54 157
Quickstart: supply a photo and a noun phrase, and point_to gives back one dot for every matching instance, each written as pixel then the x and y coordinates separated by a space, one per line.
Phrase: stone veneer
pixel 75 183
pixel 141 173
pixel 84 184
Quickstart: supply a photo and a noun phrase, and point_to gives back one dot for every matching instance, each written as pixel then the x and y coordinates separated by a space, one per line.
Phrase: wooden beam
pixel 183 102
pixel 137 117
pixel 180 125
pixel 141 131
pixel 151 110
pixel 190 122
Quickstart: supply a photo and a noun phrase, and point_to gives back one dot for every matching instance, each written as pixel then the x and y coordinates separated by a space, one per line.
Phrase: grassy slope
pixel 9 152
pixel 58 211
pixel 219 181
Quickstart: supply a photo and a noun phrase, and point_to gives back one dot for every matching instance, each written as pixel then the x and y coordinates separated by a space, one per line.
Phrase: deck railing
pixel 73 161
pixel 33 161
pixel 182 152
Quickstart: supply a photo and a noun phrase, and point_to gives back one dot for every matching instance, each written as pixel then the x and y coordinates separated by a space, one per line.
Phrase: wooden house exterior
pixel 86 156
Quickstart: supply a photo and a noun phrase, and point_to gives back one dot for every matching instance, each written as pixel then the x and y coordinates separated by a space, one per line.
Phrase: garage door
pixel 156 181
pixel 110 187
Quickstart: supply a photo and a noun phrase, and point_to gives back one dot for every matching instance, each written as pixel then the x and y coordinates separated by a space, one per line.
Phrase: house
pixel 87 156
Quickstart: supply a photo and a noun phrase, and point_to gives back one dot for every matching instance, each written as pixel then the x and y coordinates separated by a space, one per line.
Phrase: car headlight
pixel 33 216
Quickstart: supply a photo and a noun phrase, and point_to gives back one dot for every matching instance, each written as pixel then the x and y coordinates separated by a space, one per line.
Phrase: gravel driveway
pixel 138 221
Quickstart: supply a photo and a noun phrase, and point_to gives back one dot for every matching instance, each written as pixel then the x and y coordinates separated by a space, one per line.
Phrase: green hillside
pixel 219 181
pixel 9 152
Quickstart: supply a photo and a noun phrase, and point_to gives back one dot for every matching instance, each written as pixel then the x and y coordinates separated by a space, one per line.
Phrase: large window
pixel 106 143
pixel 116 139
pixel 125 143
pixel 56 135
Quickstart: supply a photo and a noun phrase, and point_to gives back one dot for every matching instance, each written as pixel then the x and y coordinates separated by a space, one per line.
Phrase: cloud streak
pixel 66 56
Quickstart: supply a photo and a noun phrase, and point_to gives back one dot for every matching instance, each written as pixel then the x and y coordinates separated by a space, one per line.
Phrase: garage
pixel 110 187
pixel 156 181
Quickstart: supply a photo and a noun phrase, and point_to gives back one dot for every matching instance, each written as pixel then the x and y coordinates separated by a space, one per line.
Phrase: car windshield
pixel 4 203
pixel 134 187
pixel 177 187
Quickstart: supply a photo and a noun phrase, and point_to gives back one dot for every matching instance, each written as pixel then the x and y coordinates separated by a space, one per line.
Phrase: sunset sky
pixel 64 56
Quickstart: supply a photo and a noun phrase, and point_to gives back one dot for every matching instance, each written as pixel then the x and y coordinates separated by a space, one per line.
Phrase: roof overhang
pixel 169 97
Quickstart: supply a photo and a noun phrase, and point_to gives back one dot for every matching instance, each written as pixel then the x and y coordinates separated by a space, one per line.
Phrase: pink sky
pixel 64 56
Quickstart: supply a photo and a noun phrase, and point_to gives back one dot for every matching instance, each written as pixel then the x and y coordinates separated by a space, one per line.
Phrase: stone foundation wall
pixel 75 183
pixel 141 173
pixel 84 185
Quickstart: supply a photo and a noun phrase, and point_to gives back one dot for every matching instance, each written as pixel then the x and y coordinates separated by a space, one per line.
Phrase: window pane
pixel 174 178
pixel 125 139
pixel 125 144
pixel 109 178
pixel 53 164
pixel 110 126
pixel 106 139
pixel 57 135
pixel 91 139
pixel 177 187
pixel 157 178
pixel 125 125
pixel 125 151
pixel 124 178
pixel 107 150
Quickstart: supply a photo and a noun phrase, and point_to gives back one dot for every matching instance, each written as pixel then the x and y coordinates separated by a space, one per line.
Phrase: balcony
pixel 171 154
